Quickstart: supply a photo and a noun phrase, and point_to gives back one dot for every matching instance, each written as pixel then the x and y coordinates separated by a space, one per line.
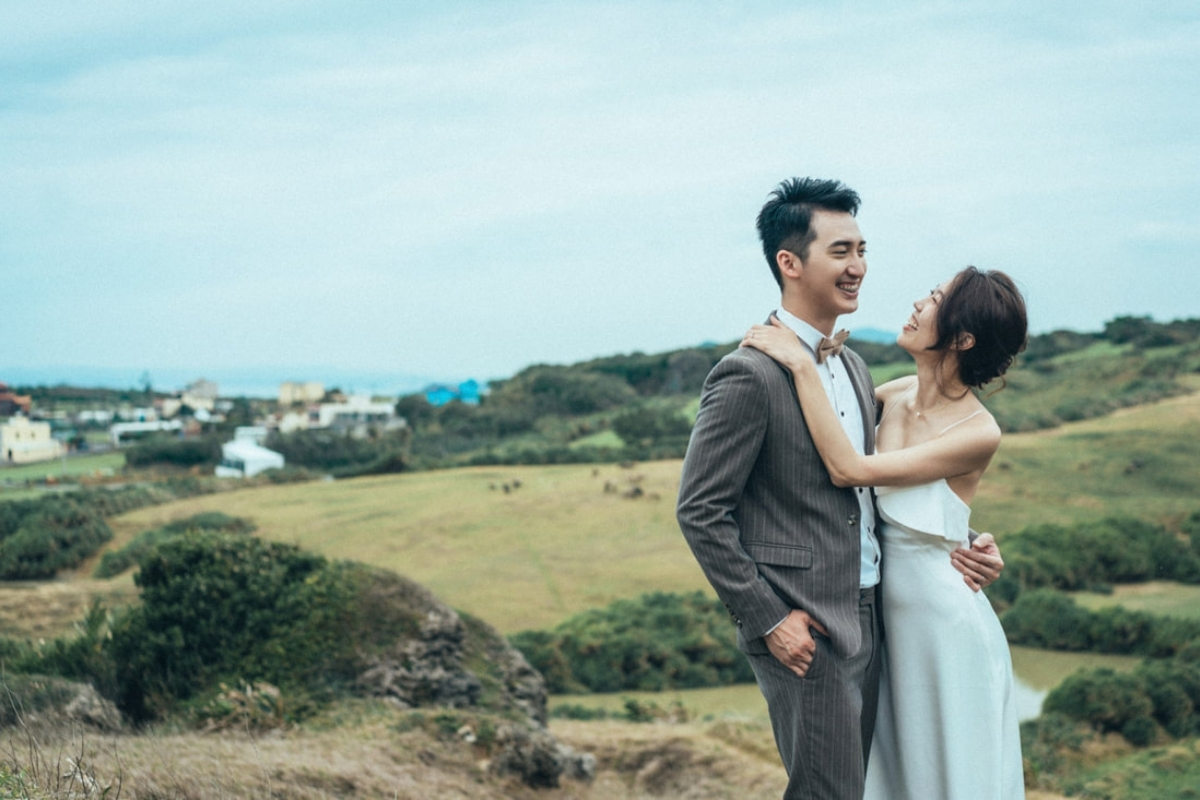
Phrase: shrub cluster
pixel 657 641
pixel 223 607
pixel 1091 555
pixel 222 610
pixel 40 537
pixel 1049 619
pixel 204 451
pixel 341 453
pixel 647 426
pixel 115 562
pixel 1159 693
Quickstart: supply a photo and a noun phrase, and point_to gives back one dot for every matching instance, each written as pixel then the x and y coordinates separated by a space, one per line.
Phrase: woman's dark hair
pixel 987 305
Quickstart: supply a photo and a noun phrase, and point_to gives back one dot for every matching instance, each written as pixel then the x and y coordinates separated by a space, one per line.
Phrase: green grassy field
pixel 560 544
pixel 1156 597
pixel 73 466
pixel 1141 462
pixel 741 702
pixel 526 558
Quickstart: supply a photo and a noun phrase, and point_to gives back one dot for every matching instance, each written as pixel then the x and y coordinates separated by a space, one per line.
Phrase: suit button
pixel 852 520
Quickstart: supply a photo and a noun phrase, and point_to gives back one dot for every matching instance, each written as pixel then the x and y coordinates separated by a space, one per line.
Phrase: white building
pixel 25 442
pixel 243 458
pixel 358 414
pixel 359 408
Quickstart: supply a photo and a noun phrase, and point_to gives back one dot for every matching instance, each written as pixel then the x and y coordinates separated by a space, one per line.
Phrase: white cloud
pixel 572 180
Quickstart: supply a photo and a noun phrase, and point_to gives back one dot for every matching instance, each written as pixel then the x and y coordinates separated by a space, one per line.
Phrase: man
pixel 794 558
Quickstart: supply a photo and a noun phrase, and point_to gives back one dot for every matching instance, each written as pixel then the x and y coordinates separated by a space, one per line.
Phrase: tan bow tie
pixel 831 347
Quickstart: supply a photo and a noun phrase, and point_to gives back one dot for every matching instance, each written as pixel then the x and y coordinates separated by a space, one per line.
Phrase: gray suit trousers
pixel 823 722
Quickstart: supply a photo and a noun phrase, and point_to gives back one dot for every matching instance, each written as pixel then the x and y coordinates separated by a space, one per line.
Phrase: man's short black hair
pixel 785 222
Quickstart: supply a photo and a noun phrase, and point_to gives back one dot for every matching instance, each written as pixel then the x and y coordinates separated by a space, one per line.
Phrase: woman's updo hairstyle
pixel 988 306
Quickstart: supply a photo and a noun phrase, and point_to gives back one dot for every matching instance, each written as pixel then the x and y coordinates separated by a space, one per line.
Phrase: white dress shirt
pixel 840 391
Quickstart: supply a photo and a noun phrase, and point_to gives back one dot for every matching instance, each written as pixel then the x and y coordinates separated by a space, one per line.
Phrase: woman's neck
pixel 938 385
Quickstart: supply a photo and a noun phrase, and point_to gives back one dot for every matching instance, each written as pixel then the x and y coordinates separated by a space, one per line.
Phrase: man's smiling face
pixel 831 275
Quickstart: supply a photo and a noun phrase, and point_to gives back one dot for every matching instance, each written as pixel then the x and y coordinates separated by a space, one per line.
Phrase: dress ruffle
pixel 926 509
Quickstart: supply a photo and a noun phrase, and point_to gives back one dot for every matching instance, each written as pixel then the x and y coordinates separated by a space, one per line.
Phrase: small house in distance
pixel 25 442
pixel 244 458
pixel 466 392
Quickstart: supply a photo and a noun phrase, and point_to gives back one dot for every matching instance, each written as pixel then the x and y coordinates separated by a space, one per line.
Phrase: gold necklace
pixel 921 414
pixel 938 407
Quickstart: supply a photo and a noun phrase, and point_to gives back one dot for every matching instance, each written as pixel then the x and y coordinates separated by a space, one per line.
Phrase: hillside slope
pixel 559 542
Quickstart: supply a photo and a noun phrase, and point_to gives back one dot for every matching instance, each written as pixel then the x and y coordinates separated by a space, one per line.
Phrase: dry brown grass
pixel 378 759
pixel 35 611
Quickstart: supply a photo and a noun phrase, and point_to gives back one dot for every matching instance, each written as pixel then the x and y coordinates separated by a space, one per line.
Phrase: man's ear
pixel 965 341
pixel 789 264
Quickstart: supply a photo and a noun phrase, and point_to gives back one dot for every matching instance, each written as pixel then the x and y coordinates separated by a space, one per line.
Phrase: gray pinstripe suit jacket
pixel 770 530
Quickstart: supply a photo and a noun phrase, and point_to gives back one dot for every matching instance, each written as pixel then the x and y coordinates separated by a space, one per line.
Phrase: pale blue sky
pixel 464 189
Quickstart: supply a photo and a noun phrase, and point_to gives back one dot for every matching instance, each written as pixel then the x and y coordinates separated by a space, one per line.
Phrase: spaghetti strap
pixel 961 421
pixel 888 408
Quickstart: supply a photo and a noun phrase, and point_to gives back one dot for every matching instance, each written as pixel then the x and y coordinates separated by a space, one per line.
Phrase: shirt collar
pixel 807 333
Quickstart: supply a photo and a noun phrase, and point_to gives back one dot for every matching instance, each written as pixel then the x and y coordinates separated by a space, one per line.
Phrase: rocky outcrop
pixel 35 700
pixel 427 669
pixel 534 756
pixel 458 662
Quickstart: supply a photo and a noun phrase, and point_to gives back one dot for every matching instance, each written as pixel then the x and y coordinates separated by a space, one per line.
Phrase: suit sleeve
pixel 725 444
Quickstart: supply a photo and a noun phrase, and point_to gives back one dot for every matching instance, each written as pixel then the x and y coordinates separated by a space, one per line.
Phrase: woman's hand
pixel 780 343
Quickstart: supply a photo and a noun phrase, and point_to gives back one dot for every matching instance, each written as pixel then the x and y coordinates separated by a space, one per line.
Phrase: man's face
pixel 832 274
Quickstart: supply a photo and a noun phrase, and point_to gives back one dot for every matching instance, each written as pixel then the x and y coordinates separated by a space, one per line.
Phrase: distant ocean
pixel 264 381
pixel 874 335
pixel 239 382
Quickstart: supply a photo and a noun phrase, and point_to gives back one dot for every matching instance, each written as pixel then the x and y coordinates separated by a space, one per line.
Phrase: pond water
pixel 1039 671
pixel 1036 672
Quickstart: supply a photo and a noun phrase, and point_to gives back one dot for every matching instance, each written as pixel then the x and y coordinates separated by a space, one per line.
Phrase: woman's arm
pixel 967 448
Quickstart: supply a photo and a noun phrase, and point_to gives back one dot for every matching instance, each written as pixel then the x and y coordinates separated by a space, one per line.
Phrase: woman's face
pixel 921 331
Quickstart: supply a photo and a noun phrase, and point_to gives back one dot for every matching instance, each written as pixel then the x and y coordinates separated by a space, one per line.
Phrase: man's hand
pixel 980 564
pixel 792 642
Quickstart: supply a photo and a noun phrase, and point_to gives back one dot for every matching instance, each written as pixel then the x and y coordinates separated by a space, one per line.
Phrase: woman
pixel 947 724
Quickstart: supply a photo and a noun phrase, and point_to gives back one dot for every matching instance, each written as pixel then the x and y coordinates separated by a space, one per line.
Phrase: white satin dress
pixel 947 725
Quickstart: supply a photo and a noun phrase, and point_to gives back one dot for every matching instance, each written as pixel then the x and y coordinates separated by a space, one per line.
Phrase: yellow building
pixel 291 393
pixel 25 442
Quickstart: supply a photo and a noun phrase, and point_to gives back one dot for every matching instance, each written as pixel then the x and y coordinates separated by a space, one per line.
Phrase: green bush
pixel 40 537
pixel 1139 731
pixel 646 426
pixel 115 562
pixel 1104 699
pixel 328 449
pixel 1114 550
pixel 201 451
pixel 1049 619
pixel 658 641
pixel 1161 692
pixel 56 534
pixel 1174 689
pixel 222 607
pixel 1191 526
